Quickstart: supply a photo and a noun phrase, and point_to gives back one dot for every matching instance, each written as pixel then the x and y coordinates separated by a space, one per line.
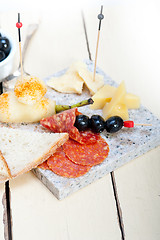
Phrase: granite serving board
pixel 124 145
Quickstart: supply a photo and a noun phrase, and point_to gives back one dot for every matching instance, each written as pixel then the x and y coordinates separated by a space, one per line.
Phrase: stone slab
pixel 125 145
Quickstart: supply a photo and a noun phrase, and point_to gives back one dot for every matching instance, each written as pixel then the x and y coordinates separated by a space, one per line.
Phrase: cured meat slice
pixel 90 154
pixel 64 122
pixel 61 122
pixel 87 137
pixel 60 164
pixel 44 166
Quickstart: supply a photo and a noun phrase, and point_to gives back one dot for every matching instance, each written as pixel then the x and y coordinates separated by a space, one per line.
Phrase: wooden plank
pixel 127 49
pixel 96 219
pixel 43 216
pixel 36 213
pixel 8 23
pixel 138 190
pixel 85 215
pixel 1 212
pixel 58 45
pixel 2 201
pixel 129 46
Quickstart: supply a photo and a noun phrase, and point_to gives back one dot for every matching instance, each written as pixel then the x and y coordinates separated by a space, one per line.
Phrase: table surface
pixel 124 204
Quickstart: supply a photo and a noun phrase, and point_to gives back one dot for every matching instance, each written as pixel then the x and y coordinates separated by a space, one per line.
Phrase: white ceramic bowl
pixel 7 65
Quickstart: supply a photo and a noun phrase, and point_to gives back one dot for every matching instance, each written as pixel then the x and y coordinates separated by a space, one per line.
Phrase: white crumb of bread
pixel 23 150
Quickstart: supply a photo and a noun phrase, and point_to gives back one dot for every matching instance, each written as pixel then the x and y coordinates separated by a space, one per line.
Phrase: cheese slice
pixel 102 96
pixel 74 67
pixel 105 94
pixel 132 101
pixel 117 104
pixel 70 82
pixel 87 77
pixel 74 78
pixel 120 110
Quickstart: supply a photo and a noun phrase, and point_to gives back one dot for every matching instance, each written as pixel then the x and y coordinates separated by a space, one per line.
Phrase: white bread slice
pixel 3 167
pixel 22 150
pixel 3 179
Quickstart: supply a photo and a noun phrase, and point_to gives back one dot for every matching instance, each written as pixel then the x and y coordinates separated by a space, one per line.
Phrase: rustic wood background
pixel 126 203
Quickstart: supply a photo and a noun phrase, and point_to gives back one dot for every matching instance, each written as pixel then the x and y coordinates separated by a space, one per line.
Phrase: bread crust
pixel 6 165
pixel 3 179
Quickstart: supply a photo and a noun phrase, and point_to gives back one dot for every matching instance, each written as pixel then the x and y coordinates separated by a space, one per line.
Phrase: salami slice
pixel 87 137
pixel 61 165
pixel 64 122
pixel 90 154
pixel 61 122
pixel 44 166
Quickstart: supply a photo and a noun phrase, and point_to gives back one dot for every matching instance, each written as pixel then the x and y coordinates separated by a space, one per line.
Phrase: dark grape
pixel 5 45
pixel 97 123
pixel 2 56
pixel 114 124
pixel 82 122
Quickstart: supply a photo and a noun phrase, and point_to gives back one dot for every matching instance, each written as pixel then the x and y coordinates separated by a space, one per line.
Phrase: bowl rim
pixel 13 47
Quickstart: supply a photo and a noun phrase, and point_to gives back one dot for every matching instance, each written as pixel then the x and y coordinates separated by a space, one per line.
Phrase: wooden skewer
pixel 131 124
pixel 96 56
pixel 19 25
pixel 100 17
pixel 20 51
pixel 143 124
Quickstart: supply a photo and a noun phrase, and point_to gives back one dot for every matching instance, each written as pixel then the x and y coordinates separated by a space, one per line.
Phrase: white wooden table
pixel 126 203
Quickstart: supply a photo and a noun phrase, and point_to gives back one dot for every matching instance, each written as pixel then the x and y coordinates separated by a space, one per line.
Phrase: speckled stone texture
pixel 124 145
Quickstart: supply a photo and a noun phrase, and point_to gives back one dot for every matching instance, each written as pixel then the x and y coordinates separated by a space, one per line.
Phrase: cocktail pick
pixel 131 124
pixel 100 17
pixel 115 123
pixel 19 25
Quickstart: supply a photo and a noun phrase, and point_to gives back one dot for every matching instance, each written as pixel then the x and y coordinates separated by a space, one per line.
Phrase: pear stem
pixel 60 108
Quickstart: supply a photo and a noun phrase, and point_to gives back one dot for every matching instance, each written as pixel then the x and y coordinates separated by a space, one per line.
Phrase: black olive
pixel 97 123
pixel 114 124
pixel 82 122
pixel 5 45
pixel 2 56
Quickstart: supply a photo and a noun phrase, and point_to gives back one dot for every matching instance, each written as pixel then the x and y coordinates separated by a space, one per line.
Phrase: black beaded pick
pixel 19 25
pixel 19 33
pixel 100 17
